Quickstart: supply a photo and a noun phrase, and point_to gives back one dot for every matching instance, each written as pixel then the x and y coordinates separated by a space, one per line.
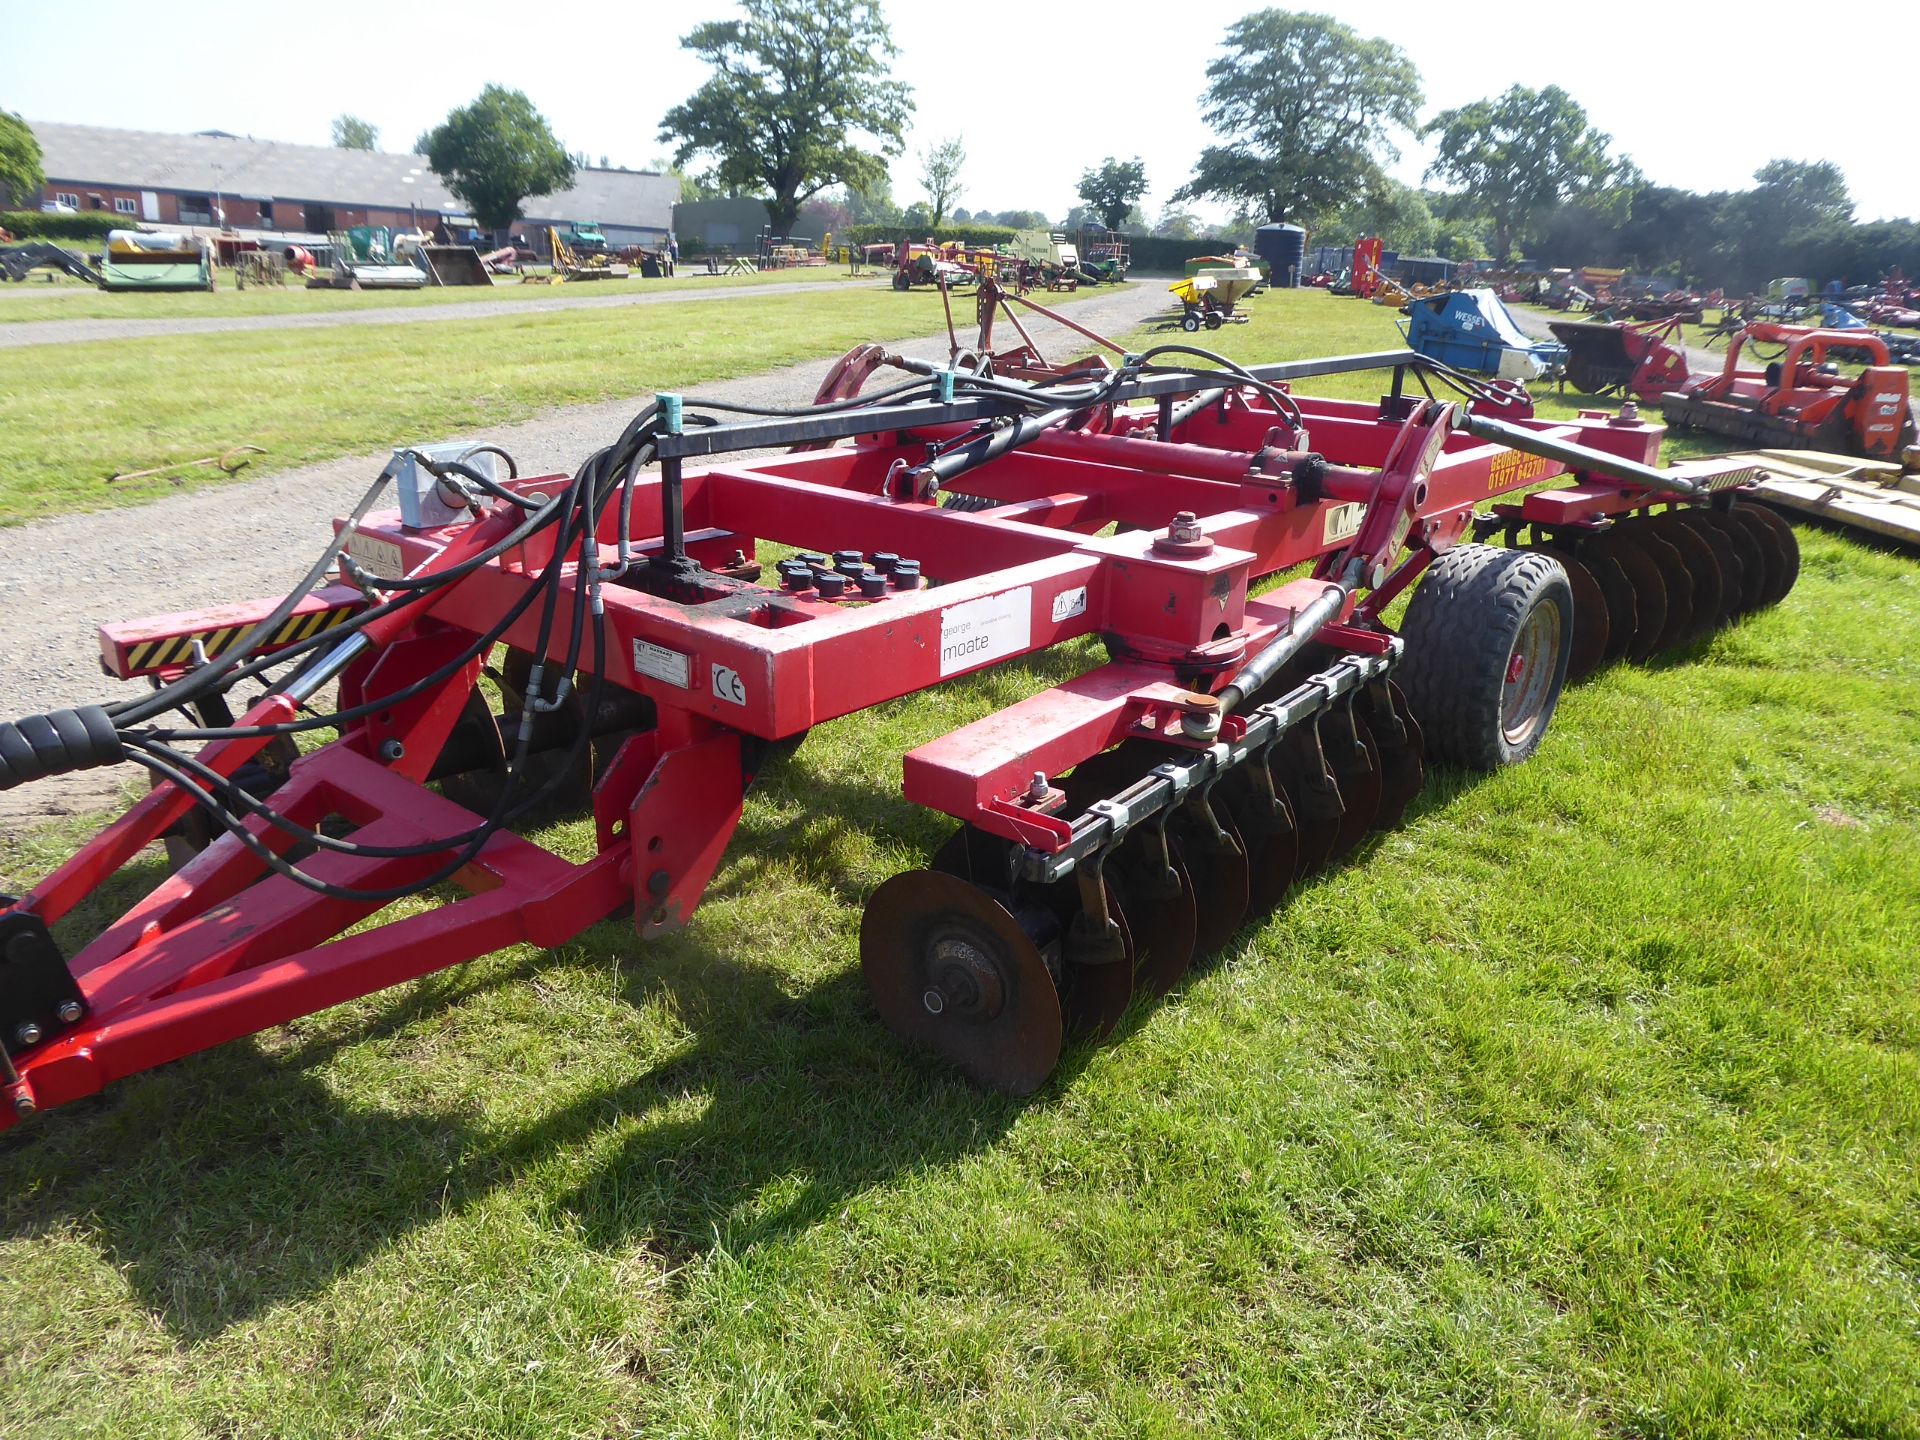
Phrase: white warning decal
pixel 1069 603
pixel 376 556
pixel 662 664
pixel 978 632
pixel 728 686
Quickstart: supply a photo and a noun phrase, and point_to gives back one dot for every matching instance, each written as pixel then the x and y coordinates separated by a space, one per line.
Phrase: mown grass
pixel 71 300
pixel 1585 1104
pixel 70 415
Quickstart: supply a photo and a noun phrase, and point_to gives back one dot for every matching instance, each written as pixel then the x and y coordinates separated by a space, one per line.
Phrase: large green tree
pixel 21 177
pixel 940 166
pixel 1305 107
pixel 495 153
pixel 1113 188
pixel 1516 157
pixel 350 132
pixel 800 99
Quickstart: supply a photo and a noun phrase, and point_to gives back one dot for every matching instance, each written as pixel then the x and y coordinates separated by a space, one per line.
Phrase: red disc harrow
pixel 611 641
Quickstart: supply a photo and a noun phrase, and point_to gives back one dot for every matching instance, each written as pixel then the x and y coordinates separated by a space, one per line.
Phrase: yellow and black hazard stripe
pixel 178 649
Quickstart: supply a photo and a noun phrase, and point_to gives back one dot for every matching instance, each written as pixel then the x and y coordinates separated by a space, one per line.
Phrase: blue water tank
pixel 1284 247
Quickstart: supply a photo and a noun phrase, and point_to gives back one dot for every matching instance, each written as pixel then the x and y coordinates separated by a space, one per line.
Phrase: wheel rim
pixel 1530 673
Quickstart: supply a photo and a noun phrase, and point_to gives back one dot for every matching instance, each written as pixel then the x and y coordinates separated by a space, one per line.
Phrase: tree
pixel 21 175
pixel 1110 191
pixel 1516 157
pixel 350 132
pixel 1021 219
pixel 1179 225
pixel 1397 213
pixel 497 152
pixel 1793 195
pixel 940 165
pixel 872 204
pixel 1304 106
pixel 797 86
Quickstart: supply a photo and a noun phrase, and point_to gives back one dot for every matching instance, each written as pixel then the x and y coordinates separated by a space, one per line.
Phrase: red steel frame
pixel 224 948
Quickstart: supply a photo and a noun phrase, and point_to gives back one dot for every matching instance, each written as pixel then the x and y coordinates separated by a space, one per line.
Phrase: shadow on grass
pixel 249 1175
pixel 253 1174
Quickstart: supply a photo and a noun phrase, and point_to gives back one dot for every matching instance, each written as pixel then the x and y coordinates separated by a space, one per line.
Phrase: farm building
pixel 213 178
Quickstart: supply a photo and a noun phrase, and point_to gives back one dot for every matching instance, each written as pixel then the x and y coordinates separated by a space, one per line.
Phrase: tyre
pixel 900 280
pixel 1190 321
pixel 1488 636
pixel 1214 322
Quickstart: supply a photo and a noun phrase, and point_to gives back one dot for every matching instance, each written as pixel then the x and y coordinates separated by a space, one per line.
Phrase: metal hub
pixel 951 968
pixel 1530 673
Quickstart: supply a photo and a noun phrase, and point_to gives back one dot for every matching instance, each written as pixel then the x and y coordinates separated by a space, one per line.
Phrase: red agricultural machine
pixel 1645 359
pixel 1801 399
pixel 610 640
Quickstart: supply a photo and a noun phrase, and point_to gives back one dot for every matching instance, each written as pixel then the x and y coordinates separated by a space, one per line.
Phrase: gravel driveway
pixel 62 578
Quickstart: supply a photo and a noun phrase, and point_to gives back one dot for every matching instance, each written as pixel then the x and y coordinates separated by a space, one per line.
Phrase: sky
pixel 1032 113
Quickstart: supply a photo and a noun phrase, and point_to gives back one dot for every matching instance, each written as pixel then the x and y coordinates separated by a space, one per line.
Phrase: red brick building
pixel 214 178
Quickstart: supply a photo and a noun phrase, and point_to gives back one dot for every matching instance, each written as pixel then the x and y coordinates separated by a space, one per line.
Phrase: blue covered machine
pixel 1472 330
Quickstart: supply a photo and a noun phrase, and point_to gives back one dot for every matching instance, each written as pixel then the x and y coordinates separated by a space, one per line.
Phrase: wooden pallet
pixel 1870 495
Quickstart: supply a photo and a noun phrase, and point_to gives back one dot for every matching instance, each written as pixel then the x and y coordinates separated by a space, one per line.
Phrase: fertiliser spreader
pixel 616 640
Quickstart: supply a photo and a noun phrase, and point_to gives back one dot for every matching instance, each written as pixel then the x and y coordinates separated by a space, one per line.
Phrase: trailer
pixel 662 625
pixel 151 260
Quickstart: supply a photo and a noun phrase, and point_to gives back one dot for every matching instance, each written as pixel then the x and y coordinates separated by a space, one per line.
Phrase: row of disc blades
pixel 1653 581
pixel 994 973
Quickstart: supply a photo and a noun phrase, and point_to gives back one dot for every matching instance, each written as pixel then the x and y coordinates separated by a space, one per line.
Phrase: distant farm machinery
pixel 1799 398
pixel 1232 545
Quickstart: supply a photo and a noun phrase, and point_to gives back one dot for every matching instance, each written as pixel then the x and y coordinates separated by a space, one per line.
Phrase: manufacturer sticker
pixel 662 664
pixel 1343 521
pixel 978 632
pixel 728 686
pixel 376 556
pixel 1069 603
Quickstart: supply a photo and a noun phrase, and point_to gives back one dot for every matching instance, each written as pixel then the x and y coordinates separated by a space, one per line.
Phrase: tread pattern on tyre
pixel 1459 630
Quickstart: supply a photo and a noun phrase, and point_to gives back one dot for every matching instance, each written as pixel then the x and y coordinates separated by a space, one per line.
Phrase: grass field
pixel 1585 1104
pixel 75 414
pixel 71 300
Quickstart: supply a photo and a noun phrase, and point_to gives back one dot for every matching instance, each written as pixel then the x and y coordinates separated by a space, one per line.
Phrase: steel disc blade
pixel 1678 580
pixel 1753 561
pixel 1623 611
pixel 1588 648
pixel 1095 995
pixel 1161 914
pixel 1401 750
pixel 1783 565
pixel 1157 897
pixel 1098 995
pixel 1266 826
pixel 1732 582
pixel 1355 762
pixel 1217 867
pixel 1709 589
pixel 1300 768
pixel 475 746
pixel 1648 581
pixel 950 968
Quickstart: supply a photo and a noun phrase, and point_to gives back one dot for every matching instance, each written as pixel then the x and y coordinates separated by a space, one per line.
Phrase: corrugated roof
pixel 146 159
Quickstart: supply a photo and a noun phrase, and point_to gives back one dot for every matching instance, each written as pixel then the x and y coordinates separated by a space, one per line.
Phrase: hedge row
pixel 982 235
pixel 87 225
